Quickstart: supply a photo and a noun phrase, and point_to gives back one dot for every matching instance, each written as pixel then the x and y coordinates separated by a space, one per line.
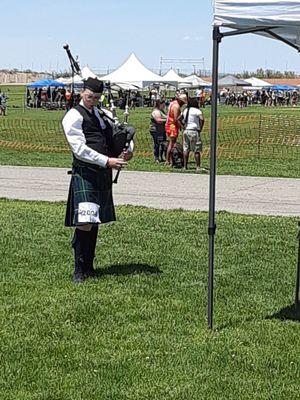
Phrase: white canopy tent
pixel 86 72
pixel 172 76
pixel 69 80
pixel 196 81
pixel 230 81
pixel 277 19
pixel 134 72
pixel 257 83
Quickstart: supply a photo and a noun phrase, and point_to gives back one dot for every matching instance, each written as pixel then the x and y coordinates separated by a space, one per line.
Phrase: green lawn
pixel 139 330
pixel 255 141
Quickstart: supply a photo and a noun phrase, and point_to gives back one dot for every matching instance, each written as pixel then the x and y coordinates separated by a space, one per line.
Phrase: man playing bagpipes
pixel 95 154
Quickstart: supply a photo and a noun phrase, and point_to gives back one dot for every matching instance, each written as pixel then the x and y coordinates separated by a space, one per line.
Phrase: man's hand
pixel 127 155
pixel 116 163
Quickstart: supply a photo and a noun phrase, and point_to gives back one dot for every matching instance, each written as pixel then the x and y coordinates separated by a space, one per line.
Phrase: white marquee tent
pixel 191 81
pixel 86 72
pixel 172 76
pixel 134 72
pixel 196 81
pixel 257 83
pixel 277 19
pixel 69 80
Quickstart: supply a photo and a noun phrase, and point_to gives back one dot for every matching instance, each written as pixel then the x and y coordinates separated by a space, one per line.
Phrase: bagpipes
pixel 122 133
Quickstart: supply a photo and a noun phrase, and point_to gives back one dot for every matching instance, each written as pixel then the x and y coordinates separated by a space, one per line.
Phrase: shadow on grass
pixel 128 269
pixel 291 313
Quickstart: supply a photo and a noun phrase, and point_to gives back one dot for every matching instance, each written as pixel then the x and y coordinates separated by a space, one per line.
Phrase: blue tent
pixel 281 87
pixel 45 83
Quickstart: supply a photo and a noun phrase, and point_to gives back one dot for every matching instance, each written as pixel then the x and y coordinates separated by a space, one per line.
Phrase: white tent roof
pixel 124 86
pixel 86 72
pixel 132 71
pixel 279 17
pixel 231 80
pixel 172 76
pixel 196 81
pixel 68 80
pixel 61 79
pixel 255 82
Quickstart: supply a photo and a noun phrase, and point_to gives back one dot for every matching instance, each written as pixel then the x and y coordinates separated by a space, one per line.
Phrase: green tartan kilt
pixel 94 185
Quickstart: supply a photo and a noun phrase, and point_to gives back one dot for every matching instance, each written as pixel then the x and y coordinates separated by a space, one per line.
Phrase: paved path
pixel 239 194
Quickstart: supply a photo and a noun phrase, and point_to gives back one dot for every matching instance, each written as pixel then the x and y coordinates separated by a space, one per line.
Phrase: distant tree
pixel 273 74
pixel 260 73
pixel 290 74
pixel 244 75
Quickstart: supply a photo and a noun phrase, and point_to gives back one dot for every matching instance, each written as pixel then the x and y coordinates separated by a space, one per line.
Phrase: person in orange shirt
pixel 173 124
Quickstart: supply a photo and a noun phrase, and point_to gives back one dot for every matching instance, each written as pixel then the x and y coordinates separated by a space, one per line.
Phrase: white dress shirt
pixel 72 124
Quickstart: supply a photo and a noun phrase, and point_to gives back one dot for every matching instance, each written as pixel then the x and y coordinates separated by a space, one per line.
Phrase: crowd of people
pixel 59 98
pixel 265 97
pixel 183 114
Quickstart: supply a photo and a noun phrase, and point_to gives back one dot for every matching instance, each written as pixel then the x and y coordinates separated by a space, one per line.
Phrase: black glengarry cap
pixel 93 85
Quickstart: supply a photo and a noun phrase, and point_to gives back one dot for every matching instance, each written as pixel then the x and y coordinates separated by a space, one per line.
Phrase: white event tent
pixel 257 83
pixel 134 72
pixel 191 81
pixel 86 72
pixel 172 76
pixel 77 79
pixel 277 19
pixel 194 80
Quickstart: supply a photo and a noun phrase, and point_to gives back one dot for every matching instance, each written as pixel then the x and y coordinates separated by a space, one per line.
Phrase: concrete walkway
pixel 238 194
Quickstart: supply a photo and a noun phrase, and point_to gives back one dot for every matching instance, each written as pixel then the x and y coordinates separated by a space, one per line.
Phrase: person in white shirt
pixel 193 122
pixel 90 201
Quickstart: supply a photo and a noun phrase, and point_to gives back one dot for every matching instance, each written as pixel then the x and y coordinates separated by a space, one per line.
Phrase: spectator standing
pixel 193 122
pixel 157 129
pixel 3 99
pixel 173 124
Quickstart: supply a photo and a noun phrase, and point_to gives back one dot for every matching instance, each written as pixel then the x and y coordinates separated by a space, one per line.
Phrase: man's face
pixel 90 99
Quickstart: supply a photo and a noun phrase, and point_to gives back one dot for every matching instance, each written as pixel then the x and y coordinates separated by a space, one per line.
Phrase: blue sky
pixel 104 33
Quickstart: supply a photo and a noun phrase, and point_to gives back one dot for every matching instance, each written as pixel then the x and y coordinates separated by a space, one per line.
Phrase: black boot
pixel 90 252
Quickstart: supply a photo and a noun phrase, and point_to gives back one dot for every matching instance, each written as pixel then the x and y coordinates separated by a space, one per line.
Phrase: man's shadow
pixel 128 269
pixel 290 313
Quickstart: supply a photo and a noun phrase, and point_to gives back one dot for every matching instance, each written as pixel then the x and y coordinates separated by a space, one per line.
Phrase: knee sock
pixel 91 247
pixel 84 244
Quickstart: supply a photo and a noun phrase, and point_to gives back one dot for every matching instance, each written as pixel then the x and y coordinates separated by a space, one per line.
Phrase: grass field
pixel 253 141
pixel 139 330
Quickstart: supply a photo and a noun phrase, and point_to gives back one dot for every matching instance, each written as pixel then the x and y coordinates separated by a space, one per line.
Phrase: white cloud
pixel 193 38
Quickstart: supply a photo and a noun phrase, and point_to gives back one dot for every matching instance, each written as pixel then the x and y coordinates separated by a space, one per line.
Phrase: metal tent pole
pixel 217 36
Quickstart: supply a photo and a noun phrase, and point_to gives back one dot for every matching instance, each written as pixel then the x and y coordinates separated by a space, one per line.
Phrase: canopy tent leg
pixel 217 36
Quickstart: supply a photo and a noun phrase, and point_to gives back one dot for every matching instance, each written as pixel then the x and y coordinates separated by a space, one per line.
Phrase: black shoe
pixel 78 277
pixel 90 273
